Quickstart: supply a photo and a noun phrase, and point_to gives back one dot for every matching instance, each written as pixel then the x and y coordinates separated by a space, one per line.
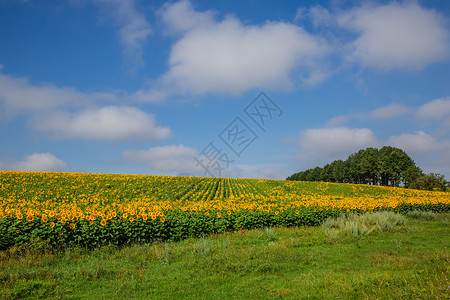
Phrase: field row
pixel 94 209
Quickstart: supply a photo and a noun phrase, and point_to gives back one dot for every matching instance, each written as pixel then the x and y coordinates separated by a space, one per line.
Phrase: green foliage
pixel 193 207
pixel 430 182
pixel 388 166
pixel 177 225
pixel 409 262
pixel 411 175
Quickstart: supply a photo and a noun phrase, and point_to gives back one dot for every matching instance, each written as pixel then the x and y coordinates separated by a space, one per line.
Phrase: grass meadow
pixel 380 255
pixel 108 236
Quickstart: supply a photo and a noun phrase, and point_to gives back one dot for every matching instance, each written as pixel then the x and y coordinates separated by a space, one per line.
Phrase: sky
pixel 251 89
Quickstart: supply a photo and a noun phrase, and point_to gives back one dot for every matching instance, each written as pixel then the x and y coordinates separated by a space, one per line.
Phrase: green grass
pixel 407 260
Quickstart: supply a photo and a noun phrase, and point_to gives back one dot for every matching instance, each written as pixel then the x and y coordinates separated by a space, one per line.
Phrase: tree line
pixel 388 166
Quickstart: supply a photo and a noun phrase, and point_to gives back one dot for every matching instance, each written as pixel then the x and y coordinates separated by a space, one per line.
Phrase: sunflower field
pixel 89 210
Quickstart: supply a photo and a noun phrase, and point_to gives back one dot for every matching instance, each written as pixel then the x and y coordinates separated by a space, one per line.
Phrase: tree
pixel 392 162
pixel 369 166
pixel 411 175
pixel 314 174
pixel 353 171
pixel 430 182
pixel 388 166
pixel 339 171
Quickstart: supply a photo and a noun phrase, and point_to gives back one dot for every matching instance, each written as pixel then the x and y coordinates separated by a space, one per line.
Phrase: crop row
pixel 94 209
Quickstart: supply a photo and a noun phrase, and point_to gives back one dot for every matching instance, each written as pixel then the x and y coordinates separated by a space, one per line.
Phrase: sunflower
pixel 72 226
pixel 103 222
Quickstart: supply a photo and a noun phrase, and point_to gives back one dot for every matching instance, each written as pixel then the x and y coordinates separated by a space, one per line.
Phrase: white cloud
pixel 321 16
pixel 36 162
pixel 112 123
pixel 390 111
pixel 328 143
pixel 386 112
pixel 436 109
pixel 173 159
pixel 179 160
pixel 445 157
pixel 338 139
pixel 229 57
pixel 337 121
pixel 18 95
pixel 181 17
pixel 267 173
pixel 396 35
pixel 417 143
pixel 134 28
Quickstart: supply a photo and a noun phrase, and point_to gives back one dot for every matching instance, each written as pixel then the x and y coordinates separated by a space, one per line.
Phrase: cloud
pixel 386 112
pixel 321 16
pixel 445 156
pixel 390 111
pixel 429 150
pixel 134 28
pixel 396 35
pixel 267 173
pixel 339 139
pixel 18 95
pixel 113 123
pixel 326 143
pixel 173 159
pixel 337 121
pixel 44 162
pixel 181 17
pixel 229 57
pixel 436 109
pixel 417 143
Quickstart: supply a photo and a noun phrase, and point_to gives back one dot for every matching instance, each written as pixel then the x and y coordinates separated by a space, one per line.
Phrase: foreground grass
pixel 408 261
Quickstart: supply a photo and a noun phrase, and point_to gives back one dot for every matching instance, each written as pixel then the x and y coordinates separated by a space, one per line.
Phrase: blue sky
pixel 221 88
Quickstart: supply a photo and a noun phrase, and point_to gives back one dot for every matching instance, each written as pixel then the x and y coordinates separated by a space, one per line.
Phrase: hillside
pixel 94 209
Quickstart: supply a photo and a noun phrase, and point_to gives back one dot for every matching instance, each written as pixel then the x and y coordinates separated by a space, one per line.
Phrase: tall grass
pixel 424 215
pixel 360 225
pixel 288 263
